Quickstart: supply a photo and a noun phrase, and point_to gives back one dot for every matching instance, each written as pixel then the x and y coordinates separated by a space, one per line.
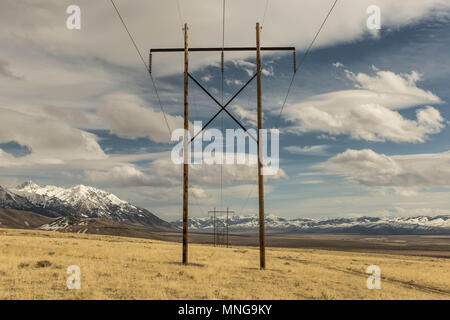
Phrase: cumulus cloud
pixel 48 140
pixel 245 115
pixel 124 176
pixel 250 67
pixel 204 174
pixel 371 111
pixel 160 171
pixel 368 168
pixel 128 116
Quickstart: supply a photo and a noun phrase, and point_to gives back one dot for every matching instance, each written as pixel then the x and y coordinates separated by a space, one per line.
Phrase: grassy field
pixel 33 265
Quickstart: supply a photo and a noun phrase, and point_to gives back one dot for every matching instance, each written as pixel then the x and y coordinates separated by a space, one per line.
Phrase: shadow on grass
pixel 189 264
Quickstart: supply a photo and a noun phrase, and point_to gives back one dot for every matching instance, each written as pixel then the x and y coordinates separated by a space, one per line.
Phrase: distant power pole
pixel 227 227
pixel 223 107
pixel 217 231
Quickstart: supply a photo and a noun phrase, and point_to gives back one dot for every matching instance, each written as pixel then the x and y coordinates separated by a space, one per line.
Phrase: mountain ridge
pixel 78 201
pixel 362 225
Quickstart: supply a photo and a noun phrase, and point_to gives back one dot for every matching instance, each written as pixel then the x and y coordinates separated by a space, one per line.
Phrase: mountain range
pixel 362 225
pixel 81 202
pixel 90 210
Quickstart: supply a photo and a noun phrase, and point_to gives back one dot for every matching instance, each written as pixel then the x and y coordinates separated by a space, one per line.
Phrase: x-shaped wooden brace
pixel 223 107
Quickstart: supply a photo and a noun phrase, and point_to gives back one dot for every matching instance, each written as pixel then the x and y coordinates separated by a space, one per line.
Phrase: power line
pixel 145 65
pixel 248 197
pixel 265 12
pixel 223 80
pixel 198 206
pixel 305 55
pixel 180 16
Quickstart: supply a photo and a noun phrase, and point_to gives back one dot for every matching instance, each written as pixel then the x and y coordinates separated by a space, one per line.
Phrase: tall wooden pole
pixel 214 227
pixel 186 146
pixel 262 240
pixel 227 227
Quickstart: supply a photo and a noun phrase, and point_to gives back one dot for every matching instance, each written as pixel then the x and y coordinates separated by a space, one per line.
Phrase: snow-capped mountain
pixel 78 201
pixel 10 200
pixel 86 201
pixel 363 225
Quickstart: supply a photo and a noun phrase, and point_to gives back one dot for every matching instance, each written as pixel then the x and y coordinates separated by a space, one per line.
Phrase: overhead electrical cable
pixel 265 12
pixel 222 83
pixel 305 55
pixel 180 16
pixel 146 67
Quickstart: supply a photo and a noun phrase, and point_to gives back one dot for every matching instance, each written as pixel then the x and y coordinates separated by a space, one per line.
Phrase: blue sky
pixel 332 166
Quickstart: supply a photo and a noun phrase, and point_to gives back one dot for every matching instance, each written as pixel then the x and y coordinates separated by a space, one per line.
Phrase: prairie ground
pixel 33 265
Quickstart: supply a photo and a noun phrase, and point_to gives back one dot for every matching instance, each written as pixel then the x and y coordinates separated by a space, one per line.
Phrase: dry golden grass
pixel 33 266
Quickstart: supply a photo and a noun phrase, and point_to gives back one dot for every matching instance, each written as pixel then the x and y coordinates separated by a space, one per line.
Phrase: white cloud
pixel 198 193
pixel 204 174
pixel 124 176
pixel 206 78
pixel 394 204
pixel 234 82
pixel 245 115
pixel 43 23
pixel 66 115
pixel 127 116
pixel 50 141
pixel 250 68
pixel 368 168
pixel 370 112
pixel 326 137
pixel 312 181
pixel 312 150
pixel 117 170
pixel 76 67
pixel 268 72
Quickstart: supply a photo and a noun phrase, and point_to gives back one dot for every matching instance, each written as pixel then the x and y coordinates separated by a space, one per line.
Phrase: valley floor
pixel 33 265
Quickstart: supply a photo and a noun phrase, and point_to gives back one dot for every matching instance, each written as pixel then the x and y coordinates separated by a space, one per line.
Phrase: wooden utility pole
pixel 223 108
pixel 262 240
pixel 186 147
